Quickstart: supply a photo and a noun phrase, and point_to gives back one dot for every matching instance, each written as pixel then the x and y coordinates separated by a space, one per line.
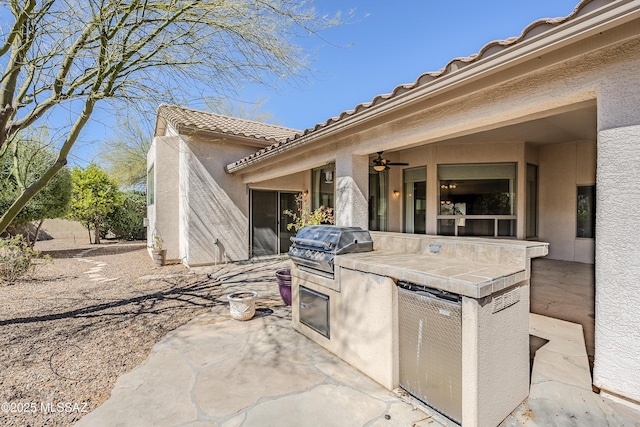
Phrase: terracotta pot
pixel 283 278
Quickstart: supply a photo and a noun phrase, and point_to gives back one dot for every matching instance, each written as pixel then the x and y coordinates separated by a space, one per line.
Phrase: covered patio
pixel 565 290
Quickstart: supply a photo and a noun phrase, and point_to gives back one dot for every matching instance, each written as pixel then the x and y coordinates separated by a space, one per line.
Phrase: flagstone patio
pixel 217 371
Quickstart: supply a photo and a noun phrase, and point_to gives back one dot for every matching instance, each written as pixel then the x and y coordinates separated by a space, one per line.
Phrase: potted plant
pixel 301 218
pixel 158 253
pixel 305 216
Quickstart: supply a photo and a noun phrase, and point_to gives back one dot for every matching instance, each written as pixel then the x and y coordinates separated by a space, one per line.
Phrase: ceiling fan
pixel 381 164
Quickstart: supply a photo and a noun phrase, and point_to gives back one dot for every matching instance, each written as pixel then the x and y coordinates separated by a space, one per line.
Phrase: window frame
pixel 151 186
pixel 592 212
pixel 446 177
pixel 319 173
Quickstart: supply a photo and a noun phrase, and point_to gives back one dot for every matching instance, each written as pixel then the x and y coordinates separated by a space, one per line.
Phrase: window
pixel 586 210
pixel 151 187
pixel 532 201
pixel 415 200
pixel 477 200
pixel 322 187
pixel 378 199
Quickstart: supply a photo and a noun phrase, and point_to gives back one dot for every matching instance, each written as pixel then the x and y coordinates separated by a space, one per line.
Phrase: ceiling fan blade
pixel 379 161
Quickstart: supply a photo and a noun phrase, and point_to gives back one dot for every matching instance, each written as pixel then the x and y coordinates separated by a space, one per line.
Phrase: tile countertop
pixel 463 277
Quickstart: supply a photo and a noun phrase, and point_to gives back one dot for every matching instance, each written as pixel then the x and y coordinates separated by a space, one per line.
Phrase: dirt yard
pixel 80 322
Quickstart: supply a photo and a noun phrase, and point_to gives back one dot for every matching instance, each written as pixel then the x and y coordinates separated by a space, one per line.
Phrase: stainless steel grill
pixel 315 247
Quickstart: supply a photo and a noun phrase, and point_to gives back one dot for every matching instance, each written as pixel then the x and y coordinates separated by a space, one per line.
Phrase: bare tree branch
pixel 64 56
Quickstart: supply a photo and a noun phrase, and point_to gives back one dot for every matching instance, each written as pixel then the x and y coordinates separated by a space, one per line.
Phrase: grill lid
pixel 334 239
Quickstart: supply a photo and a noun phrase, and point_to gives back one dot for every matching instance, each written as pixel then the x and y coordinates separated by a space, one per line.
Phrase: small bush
pixel 126 221
pixel 17 259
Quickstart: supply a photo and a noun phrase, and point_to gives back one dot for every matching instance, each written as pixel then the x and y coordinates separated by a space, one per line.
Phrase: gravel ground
pixel 93 314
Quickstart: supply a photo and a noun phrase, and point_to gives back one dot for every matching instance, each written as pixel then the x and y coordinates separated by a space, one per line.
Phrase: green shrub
pixel 17 259
pixel 126 221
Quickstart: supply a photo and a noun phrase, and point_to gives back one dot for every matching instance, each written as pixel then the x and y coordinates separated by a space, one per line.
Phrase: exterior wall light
pixel 396 193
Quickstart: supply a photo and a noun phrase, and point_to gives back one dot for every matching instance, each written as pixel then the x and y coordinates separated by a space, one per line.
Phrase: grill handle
pixel 309 242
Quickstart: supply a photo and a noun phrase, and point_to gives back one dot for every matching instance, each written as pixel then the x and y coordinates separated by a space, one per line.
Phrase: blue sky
pixel 391 43
pixel 387 43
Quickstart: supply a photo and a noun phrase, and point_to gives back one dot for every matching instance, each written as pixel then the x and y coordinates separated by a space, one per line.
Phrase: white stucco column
pixel 163 215
pixel 352 190
pixel 617 332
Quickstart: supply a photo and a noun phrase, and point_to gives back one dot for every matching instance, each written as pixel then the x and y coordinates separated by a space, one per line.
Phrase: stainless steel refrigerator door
pixel 430 338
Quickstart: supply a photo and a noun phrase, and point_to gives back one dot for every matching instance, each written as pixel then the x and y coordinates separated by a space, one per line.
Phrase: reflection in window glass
pixel 322 187
pixel 476 197
pixel 415 200
pixel 151 187
pixel 378 204
pixel 483 190
pixel 532 201
pixel 586 210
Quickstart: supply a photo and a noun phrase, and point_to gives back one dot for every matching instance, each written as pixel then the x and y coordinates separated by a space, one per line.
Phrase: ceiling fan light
pixel 379 168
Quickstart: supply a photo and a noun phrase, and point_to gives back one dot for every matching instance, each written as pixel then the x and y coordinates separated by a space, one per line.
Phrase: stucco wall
pixel 495 359
pixel 363 316
pixel 163 214
pixel 562 168
pixel 297 182
pixel 352 190
pixel 214 204
pixel 617 335
pixel 64 229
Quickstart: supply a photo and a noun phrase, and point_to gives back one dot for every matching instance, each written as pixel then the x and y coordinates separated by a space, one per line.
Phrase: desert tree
pixel 125 153
pixel 62 59
pixel 25 161
pixel 94 195
pixel 243 110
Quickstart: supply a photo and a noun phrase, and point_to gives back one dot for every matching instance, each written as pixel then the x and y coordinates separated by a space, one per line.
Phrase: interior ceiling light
pixel 381 164
pixel 328 177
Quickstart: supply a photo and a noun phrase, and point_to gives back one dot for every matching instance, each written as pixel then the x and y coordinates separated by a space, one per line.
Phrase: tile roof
pixel 532 30
pixel 182 118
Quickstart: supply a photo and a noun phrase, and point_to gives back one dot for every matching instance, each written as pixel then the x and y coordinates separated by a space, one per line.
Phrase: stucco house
pixel 522 140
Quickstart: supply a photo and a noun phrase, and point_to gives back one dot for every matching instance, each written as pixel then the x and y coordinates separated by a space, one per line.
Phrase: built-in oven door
pixel 314 310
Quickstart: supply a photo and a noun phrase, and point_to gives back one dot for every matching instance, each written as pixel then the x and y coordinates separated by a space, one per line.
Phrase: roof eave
pixel 577 29
pixel 231 137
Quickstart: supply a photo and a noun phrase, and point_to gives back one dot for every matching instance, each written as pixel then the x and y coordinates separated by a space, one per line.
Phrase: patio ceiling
pixel 576 125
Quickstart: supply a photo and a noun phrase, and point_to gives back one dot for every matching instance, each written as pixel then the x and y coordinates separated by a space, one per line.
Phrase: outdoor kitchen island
pixel 445 318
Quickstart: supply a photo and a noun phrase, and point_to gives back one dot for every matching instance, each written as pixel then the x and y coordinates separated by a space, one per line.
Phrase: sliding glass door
pixel 269 234
pixel 287 202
